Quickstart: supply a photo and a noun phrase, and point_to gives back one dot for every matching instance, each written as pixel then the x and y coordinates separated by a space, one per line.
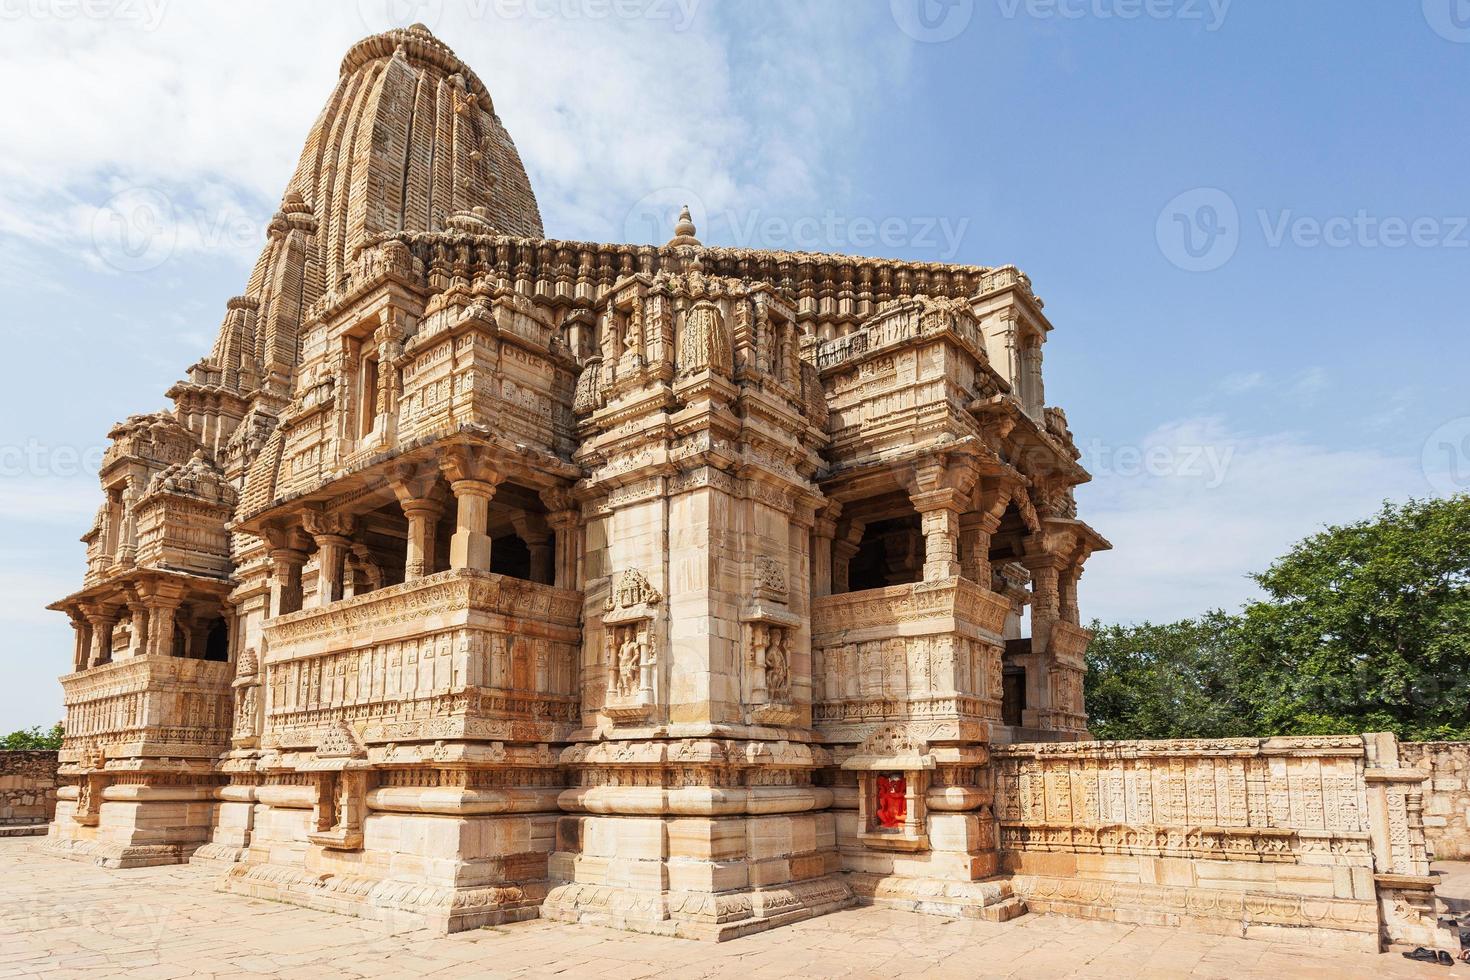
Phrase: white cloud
pixel 1309 383
pixel 210 109
pixel 1242 381
pixel 1197 505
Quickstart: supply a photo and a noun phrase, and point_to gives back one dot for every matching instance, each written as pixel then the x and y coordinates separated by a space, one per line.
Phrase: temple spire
pixel 684 231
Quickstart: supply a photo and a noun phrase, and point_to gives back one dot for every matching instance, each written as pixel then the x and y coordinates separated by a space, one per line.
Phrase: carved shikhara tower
pixel 475 575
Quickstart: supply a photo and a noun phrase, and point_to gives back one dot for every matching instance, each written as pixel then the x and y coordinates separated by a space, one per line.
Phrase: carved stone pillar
pixel 286 580
pixel 333 536
pixel 82 652
pixel 470 546
pixel 541 558
pixel 423 516
pixel 163 609
pixel 939 512
pixel 473 483
pixel 844 548
pixel 140 630
pixel 127 541
pixel 102 619
pixel 567 524
pixel 414 490
pixel 1045 600
pixel 1032 393
pixel 824 535
pixel 533 530
pixel 1067 594
pixel 976 530
pixel 331 556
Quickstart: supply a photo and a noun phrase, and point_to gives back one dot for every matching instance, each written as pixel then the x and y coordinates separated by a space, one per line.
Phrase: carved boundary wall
pixel 1446 795
pixel 1289 839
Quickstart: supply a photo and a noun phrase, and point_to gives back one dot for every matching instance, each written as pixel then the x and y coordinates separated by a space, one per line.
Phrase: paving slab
pixel 63 918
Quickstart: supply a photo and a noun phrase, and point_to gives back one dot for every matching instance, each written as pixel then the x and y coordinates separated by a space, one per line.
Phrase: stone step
pixel 24 830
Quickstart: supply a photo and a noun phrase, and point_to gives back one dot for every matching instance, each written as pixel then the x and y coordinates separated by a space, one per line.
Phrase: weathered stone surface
pixel 28 783
pixel 1446 795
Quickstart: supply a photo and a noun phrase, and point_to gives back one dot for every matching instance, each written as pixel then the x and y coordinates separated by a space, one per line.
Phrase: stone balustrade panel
pixel 927 651
pixel 457 654
pixel 147 706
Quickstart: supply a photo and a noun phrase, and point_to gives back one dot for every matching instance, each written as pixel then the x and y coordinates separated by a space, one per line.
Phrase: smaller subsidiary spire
pixel 684 230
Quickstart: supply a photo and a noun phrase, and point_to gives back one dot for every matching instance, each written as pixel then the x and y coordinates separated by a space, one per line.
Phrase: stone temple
pixel 475 576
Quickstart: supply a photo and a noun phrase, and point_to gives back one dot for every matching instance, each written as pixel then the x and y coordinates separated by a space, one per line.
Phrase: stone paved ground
pixel 62 918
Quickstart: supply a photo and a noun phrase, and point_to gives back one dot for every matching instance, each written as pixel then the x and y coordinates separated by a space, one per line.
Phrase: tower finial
pixel 684 231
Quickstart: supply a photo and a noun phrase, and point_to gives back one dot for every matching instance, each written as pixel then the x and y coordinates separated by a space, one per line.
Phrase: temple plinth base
pixel 442 850
pixel 131 835
pixel 698 915
pixel 991 900
pixel 400 904
pixel 145 821
pixel 690 838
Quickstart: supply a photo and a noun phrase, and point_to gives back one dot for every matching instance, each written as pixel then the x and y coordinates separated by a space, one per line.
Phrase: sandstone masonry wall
pixel 1266 838
pixel 27 788
pixel 1446 795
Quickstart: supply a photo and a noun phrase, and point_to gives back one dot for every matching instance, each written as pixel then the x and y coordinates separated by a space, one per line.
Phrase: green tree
pixel 1366 627
pixel 1363 627
pixel 1168 680
pixel 33 738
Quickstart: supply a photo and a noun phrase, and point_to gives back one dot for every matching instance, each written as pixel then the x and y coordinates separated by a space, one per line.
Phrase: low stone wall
pixel 27 788
pixel 1446 795
pixel 1290 839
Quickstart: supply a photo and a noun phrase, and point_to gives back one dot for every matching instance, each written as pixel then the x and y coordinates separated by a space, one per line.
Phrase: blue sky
pixel 1247 218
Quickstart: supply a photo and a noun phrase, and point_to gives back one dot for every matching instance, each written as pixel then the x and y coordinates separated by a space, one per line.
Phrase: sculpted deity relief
pixel 772 662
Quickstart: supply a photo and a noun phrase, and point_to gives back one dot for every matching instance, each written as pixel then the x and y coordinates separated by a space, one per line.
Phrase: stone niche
pixel 893 780
pixel 630 636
